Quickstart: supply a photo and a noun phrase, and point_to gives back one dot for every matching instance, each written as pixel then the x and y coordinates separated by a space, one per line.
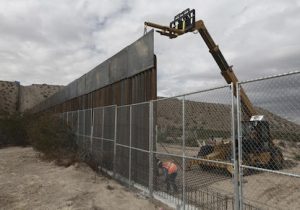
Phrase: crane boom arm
pixel 226 70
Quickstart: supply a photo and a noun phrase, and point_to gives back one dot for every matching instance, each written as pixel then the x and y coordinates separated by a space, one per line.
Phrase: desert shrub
pixel 297 157
pixel 48 134
pixel 12 130
pixel 203 133
pixel 191 142
pixel 287 136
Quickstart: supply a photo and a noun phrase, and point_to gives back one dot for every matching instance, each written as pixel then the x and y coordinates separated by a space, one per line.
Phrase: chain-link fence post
pixel 102 138
pixel 72 121
pixel 78 125
pixel 92 130
pixel 130 138
pixel 239 127
pixel 115 142
pixel 84 123
pixel 183 153
pixel 234 148
pixel 151 149
pixel 67 118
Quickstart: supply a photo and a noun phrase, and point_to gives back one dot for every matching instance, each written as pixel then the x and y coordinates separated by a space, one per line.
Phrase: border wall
pixel 127 77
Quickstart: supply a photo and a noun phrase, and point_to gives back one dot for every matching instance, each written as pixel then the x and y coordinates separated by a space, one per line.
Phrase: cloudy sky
pixel 57 41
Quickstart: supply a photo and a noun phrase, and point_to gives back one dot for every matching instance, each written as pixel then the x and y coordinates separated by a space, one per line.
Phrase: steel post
pixel 115 142
pixel 183 153
pixel 102 137
pixel 77 124
pixel 151 149
pixel 67 118
pixel 130 136
pixel 92 131
pixel 240 178
pixel 234 147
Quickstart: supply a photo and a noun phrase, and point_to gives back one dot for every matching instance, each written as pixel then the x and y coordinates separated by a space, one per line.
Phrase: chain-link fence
pixel 270 142
pixel 203 150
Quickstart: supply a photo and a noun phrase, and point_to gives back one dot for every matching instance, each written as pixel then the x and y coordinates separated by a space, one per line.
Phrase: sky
pixel 57 41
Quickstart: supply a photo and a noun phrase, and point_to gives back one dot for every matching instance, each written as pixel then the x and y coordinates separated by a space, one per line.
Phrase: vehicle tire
pixel 277 160
pixel 205 150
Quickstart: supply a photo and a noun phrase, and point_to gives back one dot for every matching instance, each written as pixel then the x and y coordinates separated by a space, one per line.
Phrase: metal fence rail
pixel 206 134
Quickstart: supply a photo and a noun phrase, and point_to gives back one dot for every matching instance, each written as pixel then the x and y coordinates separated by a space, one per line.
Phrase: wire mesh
pixel 270 142
pixel 140 143
pixel 109 123
pixel 97 135
pixel 140 167
pixel 122 163
pixel 208 147
pixel 140 126
pixel 123 125
pixel 74 122
pixel 81 129
pixel 108 153
pixel 195 132
pixel 168 125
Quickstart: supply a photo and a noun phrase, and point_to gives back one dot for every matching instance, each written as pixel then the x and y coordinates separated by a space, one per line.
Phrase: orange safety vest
pixel 171 167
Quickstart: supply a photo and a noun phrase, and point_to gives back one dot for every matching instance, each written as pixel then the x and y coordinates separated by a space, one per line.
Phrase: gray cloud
pixel 57 41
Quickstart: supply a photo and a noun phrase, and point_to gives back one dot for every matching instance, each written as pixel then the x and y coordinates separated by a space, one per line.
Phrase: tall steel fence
pixel 226 157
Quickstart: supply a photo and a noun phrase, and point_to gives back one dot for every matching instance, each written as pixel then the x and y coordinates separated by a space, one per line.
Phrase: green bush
pixel 191 142
pixel 12 130
pixel 297 157
pixel 47 133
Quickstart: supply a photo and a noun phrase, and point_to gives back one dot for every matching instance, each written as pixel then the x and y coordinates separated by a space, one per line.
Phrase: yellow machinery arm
pixel 226 70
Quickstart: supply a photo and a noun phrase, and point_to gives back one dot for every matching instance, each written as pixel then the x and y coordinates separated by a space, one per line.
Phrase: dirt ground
pixel 27 182
pixel 261 189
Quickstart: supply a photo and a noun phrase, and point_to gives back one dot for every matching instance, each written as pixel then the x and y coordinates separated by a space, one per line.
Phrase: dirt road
pixel 27 182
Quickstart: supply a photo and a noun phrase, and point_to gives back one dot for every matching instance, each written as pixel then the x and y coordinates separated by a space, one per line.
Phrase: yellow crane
pixel 261 152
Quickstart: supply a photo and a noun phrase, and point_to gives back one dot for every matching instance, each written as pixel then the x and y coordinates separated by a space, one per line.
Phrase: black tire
pixel 205 150
pixel 277 160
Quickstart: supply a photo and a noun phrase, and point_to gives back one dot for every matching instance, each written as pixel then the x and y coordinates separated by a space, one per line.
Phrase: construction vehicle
pixel 259 151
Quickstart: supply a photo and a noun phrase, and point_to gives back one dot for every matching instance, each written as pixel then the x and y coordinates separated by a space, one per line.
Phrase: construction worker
pixel 169 170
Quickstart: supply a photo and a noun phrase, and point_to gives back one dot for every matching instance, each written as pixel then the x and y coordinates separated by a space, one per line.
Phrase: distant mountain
pixel 213 117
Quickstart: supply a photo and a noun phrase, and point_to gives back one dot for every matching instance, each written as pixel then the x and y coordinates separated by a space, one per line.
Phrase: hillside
pixel 17 98
pixel 211 117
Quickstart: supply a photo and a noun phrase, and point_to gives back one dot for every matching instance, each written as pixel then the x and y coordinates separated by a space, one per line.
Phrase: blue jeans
pixel 170 180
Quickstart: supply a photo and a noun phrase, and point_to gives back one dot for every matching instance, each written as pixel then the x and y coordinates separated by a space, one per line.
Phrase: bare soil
pixel 261 189
pixel 27 182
